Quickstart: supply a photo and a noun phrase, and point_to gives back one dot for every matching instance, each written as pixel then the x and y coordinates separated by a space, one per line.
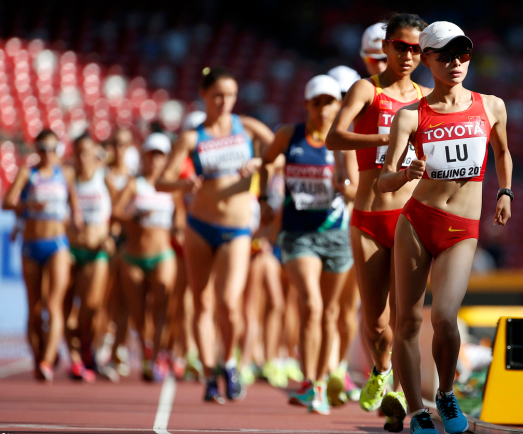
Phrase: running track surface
pixel 27 406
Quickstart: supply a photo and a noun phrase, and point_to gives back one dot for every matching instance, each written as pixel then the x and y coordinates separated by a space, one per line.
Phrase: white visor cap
pixel 345 76
pixel 157 142
pixel 372 40
pixel 439 34
pixel 193 120
pixel 322 85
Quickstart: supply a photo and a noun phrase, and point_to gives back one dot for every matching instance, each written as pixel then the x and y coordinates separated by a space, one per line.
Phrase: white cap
pixel 193 120
pixel 157 142
pixel 371 40
pixel 439 34
pixel 345 76
pixel 322 85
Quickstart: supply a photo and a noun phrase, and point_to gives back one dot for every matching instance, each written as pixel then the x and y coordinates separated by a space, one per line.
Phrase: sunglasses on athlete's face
pixel 403 46
pixel 373 60
pixel 448 56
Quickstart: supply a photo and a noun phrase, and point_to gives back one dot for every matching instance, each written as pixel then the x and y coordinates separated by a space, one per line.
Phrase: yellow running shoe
pixel 374 390
pixel 336 391
pixel 394 406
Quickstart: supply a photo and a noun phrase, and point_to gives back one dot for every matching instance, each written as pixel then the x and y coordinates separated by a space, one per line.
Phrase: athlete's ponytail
pixel 212 75
pixel 403 21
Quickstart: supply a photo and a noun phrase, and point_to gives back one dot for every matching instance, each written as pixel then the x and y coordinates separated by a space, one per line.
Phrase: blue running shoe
pixel 453 419
pixel 211 392
pixel 234 390
pixel 422 424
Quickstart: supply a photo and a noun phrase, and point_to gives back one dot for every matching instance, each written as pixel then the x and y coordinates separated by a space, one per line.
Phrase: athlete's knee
pixel 313 310
pixel 377 327
pixel 408 326
pixel 444 325
pixel 331 314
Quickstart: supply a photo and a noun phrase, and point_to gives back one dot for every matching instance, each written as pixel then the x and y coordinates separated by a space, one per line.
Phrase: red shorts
pixel 438 230
pixel 380 225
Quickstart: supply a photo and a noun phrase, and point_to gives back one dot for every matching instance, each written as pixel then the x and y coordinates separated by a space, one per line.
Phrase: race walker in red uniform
pixel 438 228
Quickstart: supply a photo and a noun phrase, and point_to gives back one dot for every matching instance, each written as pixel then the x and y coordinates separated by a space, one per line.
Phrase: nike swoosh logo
pixel 437 125
pixel 455 230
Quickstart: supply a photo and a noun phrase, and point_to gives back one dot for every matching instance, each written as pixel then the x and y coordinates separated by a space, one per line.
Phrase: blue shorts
pixel 216 235
pixel 41 250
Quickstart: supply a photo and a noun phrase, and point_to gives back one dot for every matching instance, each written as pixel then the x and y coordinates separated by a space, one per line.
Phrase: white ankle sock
pixel 231 363
pixel 446 393
pixel 387 372
pixel 415 413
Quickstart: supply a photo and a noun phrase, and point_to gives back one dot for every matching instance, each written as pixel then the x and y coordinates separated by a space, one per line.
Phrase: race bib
pixel 223 155
pixel 455 151
pixel 385 121
pixel 93 210
pixel 155 210
pixel 54 196
pixel 310 186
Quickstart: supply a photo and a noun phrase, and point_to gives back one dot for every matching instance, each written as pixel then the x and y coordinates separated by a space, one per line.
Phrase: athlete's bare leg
pixel 160 283
pixel 231 267
pixel 304 274
pixel 59 270
pixel 251 303
pixel 33 281
pixel 199 261
pixel 331 287
pixel 133 281
pixel 91 285
pixel 348 318
pixel 449 283
pixel 412 261
pixel 275 306
pixel 373 270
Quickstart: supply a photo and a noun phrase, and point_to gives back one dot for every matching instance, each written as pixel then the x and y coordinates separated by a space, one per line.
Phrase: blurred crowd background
pixel 98 65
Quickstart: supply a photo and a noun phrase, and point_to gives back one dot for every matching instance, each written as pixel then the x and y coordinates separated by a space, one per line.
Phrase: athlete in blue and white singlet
pixel 218 237
pixel 43 195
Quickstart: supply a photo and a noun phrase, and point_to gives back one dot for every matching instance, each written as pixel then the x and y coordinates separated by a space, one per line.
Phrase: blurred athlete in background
pixel 41 195
pixel 90 249
pixel 314 238
pixel 218 239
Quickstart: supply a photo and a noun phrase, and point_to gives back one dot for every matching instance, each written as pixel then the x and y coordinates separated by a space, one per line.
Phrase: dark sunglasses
pixel 403 46
pixel 449 56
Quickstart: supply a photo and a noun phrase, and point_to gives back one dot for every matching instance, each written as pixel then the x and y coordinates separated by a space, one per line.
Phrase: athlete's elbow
pixel 330 140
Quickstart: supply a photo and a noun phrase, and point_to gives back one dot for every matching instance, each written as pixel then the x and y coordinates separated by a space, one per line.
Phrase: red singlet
pixel 377 120
pixel 455 143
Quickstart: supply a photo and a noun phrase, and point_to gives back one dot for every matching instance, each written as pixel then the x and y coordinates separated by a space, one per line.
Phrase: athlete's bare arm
pixel 12 197
pixel 258 130
pixel 168 180
pixel 120 206
pixel 497 114
pixel 358 99
pixel 70 175
pixel 269 156
pixel 402 131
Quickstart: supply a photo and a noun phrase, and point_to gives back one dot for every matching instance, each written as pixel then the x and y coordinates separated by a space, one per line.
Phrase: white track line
pixel 220 431
pixel 165 405
pixel 17 367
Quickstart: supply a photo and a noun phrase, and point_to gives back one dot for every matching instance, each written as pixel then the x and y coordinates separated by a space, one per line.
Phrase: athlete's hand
pixel 503 211
pixel 109 245
pixel 78 220
pixel 266 212
pixel 35 206
pixel 192 184
pixel 416 169
pixel 250 167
